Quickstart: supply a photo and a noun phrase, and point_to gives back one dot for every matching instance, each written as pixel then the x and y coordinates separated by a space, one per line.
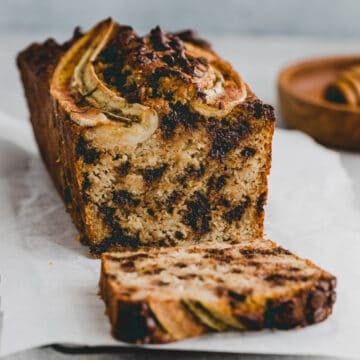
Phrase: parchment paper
pixel 49 284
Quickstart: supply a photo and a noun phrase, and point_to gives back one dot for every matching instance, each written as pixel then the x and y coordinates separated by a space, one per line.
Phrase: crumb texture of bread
pixel 168 294
pixel 151 141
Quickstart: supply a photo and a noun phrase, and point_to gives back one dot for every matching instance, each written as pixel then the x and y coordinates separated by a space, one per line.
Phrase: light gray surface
pixel 50 354
pixel 257 59
pixel 311 17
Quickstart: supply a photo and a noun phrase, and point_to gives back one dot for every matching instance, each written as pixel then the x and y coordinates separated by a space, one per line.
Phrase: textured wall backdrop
pixel 333 18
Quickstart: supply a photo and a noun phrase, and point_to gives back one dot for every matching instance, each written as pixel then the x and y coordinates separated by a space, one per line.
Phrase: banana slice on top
pixel 132 123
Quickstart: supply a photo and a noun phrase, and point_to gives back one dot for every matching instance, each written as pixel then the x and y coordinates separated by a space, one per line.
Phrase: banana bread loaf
pixel 151 141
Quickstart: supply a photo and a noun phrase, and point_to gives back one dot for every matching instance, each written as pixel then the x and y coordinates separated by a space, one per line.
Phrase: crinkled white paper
pixel 49 284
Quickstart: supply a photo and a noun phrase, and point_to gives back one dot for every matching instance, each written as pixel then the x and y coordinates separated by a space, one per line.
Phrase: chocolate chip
pixel 187 276
pixel 179 235
pixel 195 172
pixel 226 136
pixel 216 183
pixel 260 203
pixel 180 265
pixel 179 115
pixel 151 175
pixel 84 149
pixel 237 212
pixel 124 168
pixel 161 283
pixel 124 198
pixel 108 213
pixel 168 59
pixel 86 181
pixel 251 321
pixel 247 152
pixel 249 253
pixel 280 279
pixel 284 314
pixel 236 296
pixel 198 215
pixel 153 271
pixel 159 39
pixel 150 211
pixel 134 322
pixel 259 109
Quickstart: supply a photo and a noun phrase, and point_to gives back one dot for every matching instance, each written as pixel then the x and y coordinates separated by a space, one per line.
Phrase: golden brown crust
pixel 156 290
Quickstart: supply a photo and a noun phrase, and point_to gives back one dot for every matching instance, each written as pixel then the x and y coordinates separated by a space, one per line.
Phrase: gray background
pixel 330 18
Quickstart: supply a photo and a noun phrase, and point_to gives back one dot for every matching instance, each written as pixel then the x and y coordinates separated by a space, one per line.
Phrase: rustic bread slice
pixel 163 295
pixel 151 141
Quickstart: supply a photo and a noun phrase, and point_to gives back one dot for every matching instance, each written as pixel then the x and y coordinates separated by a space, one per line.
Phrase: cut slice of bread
pixel 169 294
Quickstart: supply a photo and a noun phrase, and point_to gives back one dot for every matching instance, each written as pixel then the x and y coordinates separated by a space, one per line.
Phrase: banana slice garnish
pixel 133 123
pixel 222 95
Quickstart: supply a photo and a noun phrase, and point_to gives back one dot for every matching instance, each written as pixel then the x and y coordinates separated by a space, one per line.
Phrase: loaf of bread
pixel 168 294
pixel 151 141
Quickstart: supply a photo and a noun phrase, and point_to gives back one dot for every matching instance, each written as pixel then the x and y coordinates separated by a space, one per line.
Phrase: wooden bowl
pixel 302 104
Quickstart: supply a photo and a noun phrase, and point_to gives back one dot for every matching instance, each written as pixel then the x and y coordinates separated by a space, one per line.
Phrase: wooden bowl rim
pixel 287 72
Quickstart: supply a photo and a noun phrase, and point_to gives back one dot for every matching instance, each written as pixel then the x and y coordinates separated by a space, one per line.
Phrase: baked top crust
pixel 112 75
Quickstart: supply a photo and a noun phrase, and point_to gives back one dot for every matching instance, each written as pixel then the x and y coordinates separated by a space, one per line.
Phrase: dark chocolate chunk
pixel 124 198
pixel 195 172
pixel 86 181
pixel 179 115
pixel 159 39
pixel 168 59
pixel 108 214
pixel 84 149
pixel 260 203
pixel 187 276
pixel 259 109
pixel 198 215
pixel 124 168
pixel 225 136
pixel 247 152
pixel 180 265
pixel 237 212
pixel 249 253
pixel 154 174
pixel 280 279
pixel 236 296
pixel 251 321
pixel 179 235
pixel 118 237
pixel 153 271
pixel 216 183
pixel 174 197
pixel 162 283
pixel 134 322
pixel 150 211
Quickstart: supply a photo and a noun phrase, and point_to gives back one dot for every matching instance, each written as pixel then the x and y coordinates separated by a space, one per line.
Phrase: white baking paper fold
pixel 49 283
